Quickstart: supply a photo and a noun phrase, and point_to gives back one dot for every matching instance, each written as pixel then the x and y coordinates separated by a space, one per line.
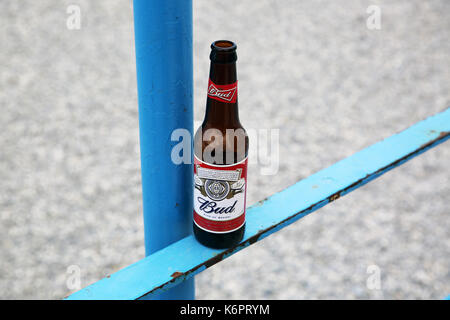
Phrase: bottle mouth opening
pixel 223 45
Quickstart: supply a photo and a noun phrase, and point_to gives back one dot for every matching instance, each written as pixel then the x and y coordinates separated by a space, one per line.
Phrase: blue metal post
pixel 163 38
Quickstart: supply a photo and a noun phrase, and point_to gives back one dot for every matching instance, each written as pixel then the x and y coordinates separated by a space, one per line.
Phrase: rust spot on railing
pixel 335 196
pixel 176 274
pixel 260 202
pixel 441 135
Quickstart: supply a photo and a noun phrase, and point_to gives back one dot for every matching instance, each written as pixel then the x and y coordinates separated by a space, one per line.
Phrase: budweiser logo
pixel 225 93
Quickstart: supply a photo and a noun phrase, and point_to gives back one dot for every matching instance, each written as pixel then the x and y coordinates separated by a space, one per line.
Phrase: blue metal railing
pixel 177 263
pixel 163 38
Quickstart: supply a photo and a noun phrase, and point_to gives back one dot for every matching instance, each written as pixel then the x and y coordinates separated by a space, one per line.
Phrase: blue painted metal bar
pixel 163 38
pixel 180 261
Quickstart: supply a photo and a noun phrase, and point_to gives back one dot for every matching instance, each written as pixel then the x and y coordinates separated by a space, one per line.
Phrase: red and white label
pixel 224 93
pixel 219 196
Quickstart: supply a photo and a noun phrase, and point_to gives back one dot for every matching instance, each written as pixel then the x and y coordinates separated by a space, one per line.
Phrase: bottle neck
pixel 222 104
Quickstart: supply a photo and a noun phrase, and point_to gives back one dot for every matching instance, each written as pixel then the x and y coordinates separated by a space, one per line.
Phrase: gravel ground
pixel 69 155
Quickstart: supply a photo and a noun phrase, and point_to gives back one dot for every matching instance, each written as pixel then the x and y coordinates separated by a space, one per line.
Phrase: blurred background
pixel 70 185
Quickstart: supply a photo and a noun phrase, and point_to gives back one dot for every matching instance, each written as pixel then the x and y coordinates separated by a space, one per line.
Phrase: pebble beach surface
pixel 70 185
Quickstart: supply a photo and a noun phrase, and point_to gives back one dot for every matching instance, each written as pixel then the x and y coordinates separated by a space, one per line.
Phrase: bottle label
pixel 223 93
pixel 219 196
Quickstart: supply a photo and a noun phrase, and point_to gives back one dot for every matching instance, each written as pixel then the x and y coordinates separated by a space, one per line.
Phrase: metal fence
pixel 163 35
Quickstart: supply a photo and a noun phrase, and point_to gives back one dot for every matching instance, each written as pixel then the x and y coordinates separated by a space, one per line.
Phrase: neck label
pixel 224 93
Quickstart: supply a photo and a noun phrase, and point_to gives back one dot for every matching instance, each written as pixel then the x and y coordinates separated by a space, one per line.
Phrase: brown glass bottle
pixel 221 142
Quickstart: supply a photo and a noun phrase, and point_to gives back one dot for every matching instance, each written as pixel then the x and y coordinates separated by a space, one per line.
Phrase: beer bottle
pixel 220 156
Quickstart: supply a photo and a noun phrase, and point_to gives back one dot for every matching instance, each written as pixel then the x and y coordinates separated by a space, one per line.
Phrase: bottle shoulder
pixel 236 126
